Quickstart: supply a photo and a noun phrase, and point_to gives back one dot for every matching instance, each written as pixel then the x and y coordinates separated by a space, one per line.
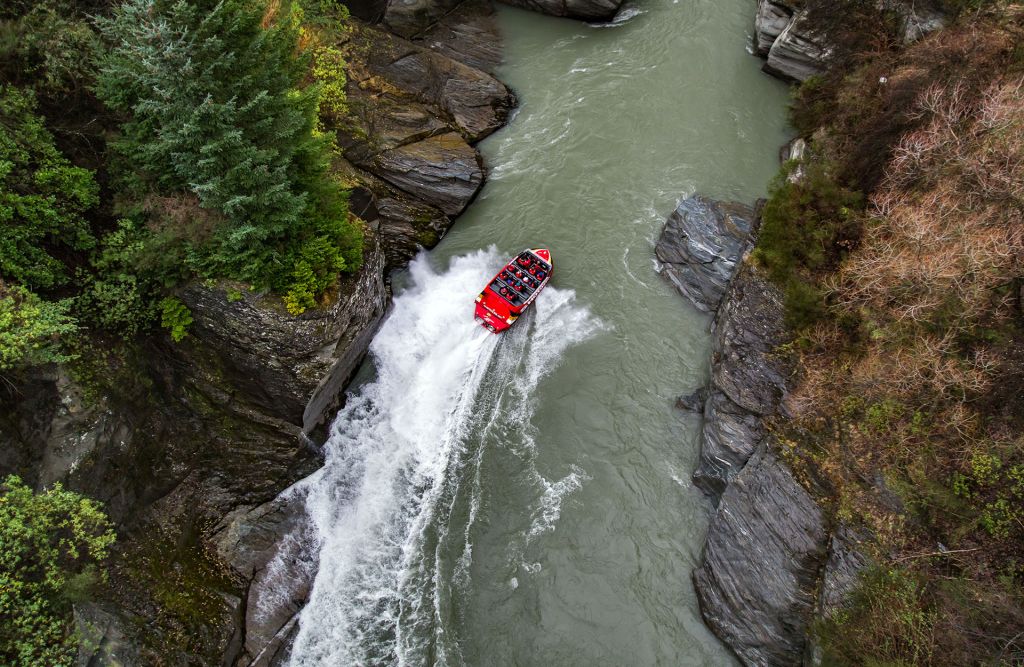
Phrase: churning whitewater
pixel 391 511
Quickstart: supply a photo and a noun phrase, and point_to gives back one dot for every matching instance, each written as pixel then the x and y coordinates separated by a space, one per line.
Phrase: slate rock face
pixel 289 367
pixel 414 114
pixel 700 245
pixel 797 53
pixel 748 377
pixel 772 18
pixel 760 564
pixel 749 328
pixel 587 10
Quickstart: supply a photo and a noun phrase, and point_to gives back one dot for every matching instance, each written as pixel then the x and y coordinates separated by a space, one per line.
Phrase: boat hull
pixel 513 289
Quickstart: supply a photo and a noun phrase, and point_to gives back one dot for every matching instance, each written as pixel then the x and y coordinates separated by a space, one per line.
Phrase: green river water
pixel 525 499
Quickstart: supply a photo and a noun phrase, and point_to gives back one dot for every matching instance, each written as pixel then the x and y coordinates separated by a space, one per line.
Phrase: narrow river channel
pixel 525 499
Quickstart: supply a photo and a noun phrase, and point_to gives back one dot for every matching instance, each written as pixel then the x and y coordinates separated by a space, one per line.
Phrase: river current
pixel 524 499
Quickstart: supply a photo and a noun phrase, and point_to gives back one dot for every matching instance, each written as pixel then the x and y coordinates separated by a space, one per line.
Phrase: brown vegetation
pixel 911 400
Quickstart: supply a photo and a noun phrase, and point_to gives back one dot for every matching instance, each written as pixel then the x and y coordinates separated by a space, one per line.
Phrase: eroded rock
pixel 797 53
pixel 289 367
pixel 700 245
pixel 587 10
pixel 759 567
pixel 772 18
pixel 746 365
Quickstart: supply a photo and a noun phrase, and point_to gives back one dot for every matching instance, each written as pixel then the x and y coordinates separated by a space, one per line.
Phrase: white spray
pixel 396 453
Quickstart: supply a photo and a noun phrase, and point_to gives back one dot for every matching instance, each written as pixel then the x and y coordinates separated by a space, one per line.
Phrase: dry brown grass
pixel 911 392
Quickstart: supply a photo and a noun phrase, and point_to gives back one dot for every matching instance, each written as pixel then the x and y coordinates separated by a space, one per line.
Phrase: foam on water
pixel 403 449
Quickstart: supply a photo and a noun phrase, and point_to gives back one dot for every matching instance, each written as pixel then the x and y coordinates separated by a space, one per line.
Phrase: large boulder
pixel 442 171
pixel 797 53
pixel 289 367
pixel 772 18
pixel 759 567
pixel 700 245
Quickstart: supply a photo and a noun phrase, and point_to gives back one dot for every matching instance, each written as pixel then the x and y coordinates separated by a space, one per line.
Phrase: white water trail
pixel 396 455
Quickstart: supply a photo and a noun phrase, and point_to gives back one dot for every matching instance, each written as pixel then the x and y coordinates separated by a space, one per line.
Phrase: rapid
pixel 524 499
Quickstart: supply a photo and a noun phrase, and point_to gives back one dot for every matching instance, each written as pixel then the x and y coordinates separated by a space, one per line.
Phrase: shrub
pixel 807 225
pixel 176 316
pixel 888 621
pixel 52 548
pixel 329 71
pixel 31 329
pixel 43 198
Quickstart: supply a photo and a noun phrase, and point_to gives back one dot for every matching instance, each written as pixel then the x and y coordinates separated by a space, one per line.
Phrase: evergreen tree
pixel 214 107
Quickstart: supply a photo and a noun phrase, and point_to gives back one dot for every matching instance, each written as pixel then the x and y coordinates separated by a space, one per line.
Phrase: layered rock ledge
pixel 770 563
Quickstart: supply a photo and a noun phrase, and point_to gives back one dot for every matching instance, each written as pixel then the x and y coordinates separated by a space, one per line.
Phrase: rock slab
pixel 748 377
pixel 760 564
pixel 700 245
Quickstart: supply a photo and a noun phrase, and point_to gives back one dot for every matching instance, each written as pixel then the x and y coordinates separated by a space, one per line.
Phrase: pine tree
pixel 214 106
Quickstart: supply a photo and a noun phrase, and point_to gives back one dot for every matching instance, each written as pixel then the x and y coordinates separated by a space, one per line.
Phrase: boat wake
pixel 401 482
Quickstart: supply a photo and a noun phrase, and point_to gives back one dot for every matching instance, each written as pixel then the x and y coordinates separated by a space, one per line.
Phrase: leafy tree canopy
pixel 43 198
pixel 52 545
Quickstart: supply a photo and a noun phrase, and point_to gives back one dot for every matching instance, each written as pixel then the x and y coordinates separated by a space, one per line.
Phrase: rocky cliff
pixel 795 49
pixel 769 547
pixel 189 444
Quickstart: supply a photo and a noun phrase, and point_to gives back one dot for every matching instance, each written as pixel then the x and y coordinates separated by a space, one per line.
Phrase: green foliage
pixel 329 71
pixel 52 548
pixel 888 622
pixel 995 491
pixel 176 316
pixel 43 198
pixel 808 225
pixel 48 45
pixel 214 107
pixel 115 294
pixel 31 329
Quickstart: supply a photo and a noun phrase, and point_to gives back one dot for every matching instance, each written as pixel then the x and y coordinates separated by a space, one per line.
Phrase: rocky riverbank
pixel 774 561
pixel 768 545
pixel 189 444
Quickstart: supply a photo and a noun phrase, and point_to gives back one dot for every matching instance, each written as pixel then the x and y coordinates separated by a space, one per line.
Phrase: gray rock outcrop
pixel 587 10
pixel 797 53
pixel 291 368
pixel 760 564
pixel 772 18
pixel 700 245
pixel 414 113
pixel 748 378
pixel 414 18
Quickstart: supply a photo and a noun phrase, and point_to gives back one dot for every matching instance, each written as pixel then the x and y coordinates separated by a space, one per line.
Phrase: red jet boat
pixel 513 289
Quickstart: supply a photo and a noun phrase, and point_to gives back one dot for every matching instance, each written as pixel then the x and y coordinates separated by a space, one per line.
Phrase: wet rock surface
pixel 748 377
pixel 760 564
pixel 700 245
pixel 266 545
pixel 797 53
pixel 587 10
pixel 772 18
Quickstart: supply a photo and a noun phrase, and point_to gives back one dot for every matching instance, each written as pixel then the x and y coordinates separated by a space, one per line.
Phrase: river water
pixel 525 499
